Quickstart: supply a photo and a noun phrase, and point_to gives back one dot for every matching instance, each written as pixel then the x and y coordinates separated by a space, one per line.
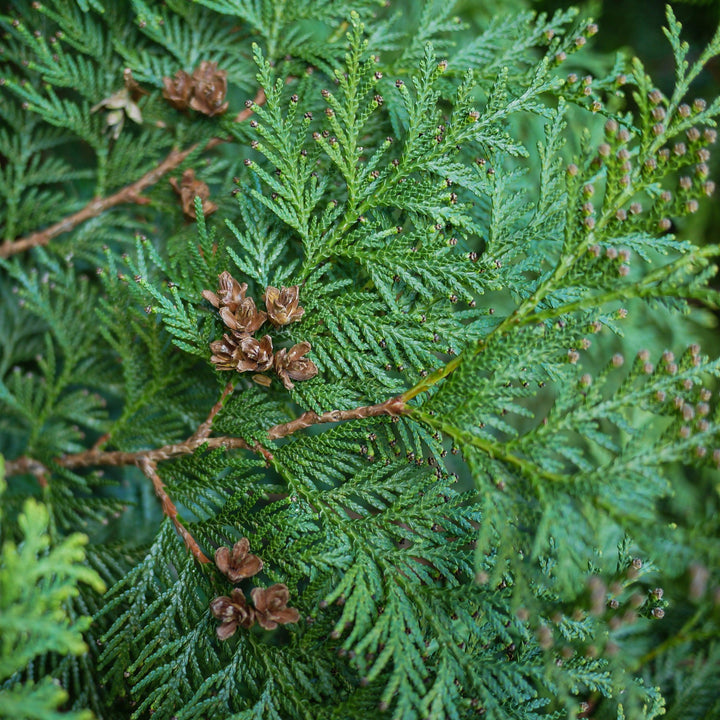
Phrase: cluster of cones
pixel 239 350
pixel 269 607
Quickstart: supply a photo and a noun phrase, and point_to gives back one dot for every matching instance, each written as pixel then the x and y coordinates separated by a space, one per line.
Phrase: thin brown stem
pixel 394 406
pixel 96 457
pixel 24 465
pixel 149 468
pixel 147 460
pixel 205 428
pixel 129 194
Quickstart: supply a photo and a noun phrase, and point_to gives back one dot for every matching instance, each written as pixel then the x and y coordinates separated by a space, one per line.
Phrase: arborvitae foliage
pixel 36 580
pixel 461 447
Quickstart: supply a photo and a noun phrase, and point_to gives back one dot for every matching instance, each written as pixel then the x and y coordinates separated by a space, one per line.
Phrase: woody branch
pixel 147 460
pixel 129 194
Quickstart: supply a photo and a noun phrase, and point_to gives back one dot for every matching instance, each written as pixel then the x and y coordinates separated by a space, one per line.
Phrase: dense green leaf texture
pixel 36 583
pixel 478 228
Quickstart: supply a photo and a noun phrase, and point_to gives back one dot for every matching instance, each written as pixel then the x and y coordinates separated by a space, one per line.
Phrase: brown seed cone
pixel 233 611
pixel 178 90
pixel 238 563
pixel 245 318
pixel 242 352
pixel 230 292
pixel 291 365
pixel 271 606
pixel 282 305
pixel 255 354
pixel 226 353
pixel 188 189
pixel 210 87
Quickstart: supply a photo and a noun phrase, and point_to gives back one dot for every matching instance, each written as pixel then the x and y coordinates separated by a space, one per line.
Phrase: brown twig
pixel 205 427
pixel 149 468
pixel 24 465
pixel 147 460
pixel 393 406
pixel 129 194
pixel 96 457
